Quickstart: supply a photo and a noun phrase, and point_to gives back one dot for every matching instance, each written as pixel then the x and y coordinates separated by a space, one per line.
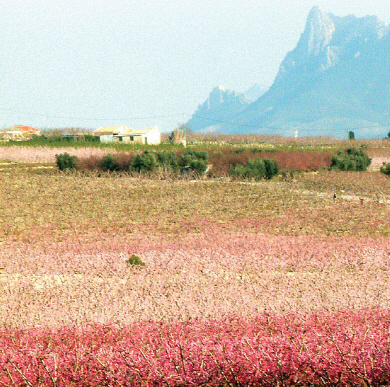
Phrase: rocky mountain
pixel 219 107
pixel 336 79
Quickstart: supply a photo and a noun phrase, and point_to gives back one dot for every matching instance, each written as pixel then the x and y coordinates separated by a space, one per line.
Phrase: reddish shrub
pixel 90 163
pixel 124 159
pixel 224 160
pixel 227 158
pixel 300 160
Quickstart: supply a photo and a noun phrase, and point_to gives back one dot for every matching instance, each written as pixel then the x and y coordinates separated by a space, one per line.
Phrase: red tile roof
pixel 26 128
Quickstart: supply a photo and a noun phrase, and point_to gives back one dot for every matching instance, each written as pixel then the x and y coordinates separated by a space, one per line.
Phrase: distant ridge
pixel 255 92
pixel 220 105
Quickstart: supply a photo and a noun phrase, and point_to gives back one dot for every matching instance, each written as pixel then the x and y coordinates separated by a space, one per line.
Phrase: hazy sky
pixel 122 60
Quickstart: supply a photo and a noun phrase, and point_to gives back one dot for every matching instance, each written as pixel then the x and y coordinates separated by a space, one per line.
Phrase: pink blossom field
pixel 216 309
pixel 243 285
pixel 297 349
pixel 196 278
pixel 45 154
pixel 377 162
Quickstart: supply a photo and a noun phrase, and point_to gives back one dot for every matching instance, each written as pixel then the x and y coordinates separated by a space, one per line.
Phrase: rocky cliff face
pixel 327 39
pixel 312 51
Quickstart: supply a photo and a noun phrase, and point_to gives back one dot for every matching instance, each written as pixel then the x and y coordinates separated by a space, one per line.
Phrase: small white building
pixel 150 136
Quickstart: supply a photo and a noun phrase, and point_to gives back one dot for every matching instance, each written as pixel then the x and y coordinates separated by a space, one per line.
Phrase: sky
pixel 92 63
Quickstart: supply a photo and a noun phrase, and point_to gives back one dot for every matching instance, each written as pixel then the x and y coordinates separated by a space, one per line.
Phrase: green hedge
pixel 386 169
pixel 168 160
pixel 350 159
pixel 66 161
pixel 108 163
pixel 144 162
pixel 194 161
pixel 256 169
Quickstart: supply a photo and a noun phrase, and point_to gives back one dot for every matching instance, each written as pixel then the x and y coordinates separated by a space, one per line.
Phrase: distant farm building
pixel 123 134
pixel 19 133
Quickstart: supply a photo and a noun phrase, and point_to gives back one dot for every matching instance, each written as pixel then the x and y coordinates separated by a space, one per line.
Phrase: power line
pixel 91 119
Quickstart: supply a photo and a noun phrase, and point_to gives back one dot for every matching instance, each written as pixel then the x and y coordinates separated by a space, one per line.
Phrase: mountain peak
pixel 219 88
pixel 318 32
pixel 315 13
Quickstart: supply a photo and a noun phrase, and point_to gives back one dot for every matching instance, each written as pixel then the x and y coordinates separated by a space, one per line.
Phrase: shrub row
pixel 240 163
pixel 194 162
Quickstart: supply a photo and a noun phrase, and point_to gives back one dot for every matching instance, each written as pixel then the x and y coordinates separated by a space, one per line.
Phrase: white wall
pixel 154 136
pixel 106 138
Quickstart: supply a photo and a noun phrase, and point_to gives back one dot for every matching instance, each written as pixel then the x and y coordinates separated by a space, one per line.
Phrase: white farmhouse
pixel 150 136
